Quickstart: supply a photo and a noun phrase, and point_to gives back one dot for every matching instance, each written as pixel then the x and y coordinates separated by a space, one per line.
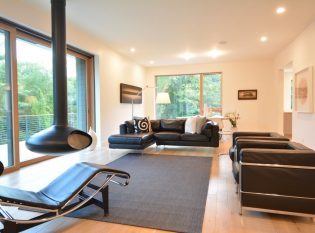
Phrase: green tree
pixel 184 91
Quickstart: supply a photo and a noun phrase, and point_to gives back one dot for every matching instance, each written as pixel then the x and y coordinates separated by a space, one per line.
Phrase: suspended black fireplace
pixel 59 138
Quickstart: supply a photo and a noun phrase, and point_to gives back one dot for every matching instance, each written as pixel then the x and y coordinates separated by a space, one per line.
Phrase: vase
pixel 234 129
pixel 94 139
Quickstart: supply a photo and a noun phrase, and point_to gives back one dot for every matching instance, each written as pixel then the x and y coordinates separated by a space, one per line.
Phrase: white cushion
pixel 200 121
pixel 190 125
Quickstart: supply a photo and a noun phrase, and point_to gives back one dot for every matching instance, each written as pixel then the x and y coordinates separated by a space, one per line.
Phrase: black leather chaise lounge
pixel 62 196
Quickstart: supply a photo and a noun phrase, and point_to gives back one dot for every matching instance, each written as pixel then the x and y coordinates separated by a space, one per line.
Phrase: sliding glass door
pixel 35 91
pixel 6 132
pixel 26 92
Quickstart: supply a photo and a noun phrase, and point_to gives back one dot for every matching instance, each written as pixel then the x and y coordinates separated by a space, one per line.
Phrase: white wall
pixel 302 54
pixel 255 114
pixel 111 68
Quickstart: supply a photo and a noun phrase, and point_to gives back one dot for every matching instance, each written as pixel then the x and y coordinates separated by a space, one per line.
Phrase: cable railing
pixel 29 125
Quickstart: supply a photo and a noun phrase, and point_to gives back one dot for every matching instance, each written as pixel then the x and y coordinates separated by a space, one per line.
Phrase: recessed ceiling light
pixel 151 62
pixel 187 56
pixel 263 38
pixel 214 53
pixel 280 10
pixel 132 50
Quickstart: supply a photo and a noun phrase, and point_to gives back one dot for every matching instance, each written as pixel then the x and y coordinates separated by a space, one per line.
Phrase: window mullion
pixel 15 113
pixel 201 95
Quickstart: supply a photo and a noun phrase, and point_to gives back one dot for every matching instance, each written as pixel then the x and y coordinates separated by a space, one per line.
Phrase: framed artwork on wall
pixel 247 94
pixel 303 90
pixel 129 93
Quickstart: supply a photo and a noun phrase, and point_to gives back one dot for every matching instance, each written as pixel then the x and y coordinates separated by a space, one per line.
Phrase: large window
pixel 30 100
pixel 190 95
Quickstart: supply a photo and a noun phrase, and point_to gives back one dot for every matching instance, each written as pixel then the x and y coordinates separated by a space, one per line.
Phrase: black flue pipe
pixel 59 138
pixel 59 51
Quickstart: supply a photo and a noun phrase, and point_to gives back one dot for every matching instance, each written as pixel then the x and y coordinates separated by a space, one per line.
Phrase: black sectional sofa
pixel 164 132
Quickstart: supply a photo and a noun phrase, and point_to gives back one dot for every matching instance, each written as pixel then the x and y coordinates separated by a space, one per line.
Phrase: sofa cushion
pixel 141 124
pixel 130 126
pixel 173 136
pixel 194 137
pixel 155 125
pixel 200 122
pixel 130 138
pixel 173 125
pixel 190 125
pixel 207 129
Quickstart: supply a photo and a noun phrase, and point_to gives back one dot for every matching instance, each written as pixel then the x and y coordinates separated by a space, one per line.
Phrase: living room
pixel 251 64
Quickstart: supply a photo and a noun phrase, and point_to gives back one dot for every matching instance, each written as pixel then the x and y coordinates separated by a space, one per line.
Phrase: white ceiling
pixel 161 30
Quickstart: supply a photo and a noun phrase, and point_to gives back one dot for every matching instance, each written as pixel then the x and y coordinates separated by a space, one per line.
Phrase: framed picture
pixel 303 90
pixel 247 94
pixel 129 93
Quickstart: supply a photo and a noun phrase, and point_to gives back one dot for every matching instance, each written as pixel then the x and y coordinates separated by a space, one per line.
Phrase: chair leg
pixel 9 227
pixel 105 201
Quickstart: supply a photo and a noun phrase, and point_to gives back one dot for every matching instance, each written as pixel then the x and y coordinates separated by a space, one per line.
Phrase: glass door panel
pixel 77 87
pixel 6 136
pixel 35 91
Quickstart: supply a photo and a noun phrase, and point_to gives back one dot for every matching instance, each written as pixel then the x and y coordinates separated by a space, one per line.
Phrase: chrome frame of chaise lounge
pixel 12 225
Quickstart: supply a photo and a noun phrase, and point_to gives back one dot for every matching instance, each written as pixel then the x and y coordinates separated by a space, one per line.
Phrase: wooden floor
pixel 221 213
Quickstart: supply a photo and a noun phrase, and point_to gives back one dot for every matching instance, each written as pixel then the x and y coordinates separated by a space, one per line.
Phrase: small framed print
pixel 247 94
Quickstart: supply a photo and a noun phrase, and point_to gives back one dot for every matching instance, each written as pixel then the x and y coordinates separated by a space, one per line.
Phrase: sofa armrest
pixel 246 133
pixel 123 128
pixel 211 130
pixel 249 143
pixel 249 134
pixel 261 138
pixel 278 157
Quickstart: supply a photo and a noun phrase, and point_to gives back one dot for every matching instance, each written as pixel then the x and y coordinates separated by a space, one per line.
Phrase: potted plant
pixel 233 117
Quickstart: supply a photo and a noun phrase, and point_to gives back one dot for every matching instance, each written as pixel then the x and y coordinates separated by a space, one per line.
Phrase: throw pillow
pixel 190 125
pixel 200 121
pixel 142 125
pixel 130 126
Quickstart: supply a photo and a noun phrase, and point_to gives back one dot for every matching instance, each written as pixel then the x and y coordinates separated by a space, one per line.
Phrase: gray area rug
pixel 165 192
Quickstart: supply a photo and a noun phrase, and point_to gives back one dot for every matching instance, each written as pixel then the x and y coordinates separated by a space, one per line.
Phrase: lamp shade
pixel 163 98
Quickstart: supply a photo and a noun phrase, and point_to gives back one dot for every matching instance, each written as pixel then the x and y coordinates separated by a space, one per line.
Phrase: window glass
pixel 77 100
pixel 35 91
pixel 6 137
pixel 184 92
pixel 212 94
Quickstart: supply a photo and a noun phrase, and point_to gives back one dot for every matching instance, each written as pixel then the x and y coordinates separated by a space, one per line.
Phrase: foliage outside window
pixel 190 95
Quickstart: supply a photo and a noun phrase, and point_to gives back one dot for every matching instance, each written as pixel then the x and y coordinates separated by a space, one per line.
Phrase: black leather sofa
pixel 254 136
pixel 279 179
pixel 164 132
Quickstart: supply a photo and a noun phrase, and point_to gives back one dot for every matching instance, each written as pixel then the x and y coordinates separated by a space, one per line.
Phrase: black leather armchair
pixel 260 144
pixel 254 136
pixel 278 180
